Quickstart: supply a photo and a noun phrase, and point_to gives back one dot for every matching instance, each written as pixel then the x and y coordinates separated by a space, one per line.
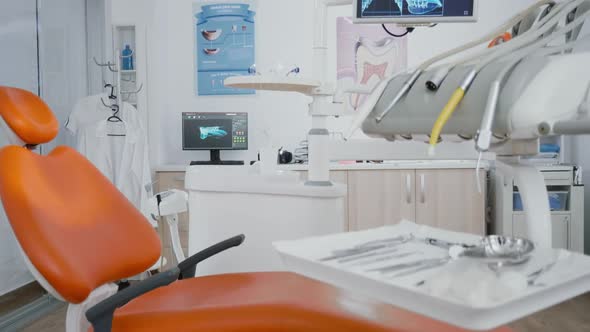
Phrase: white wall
pixel 62 80
pixel 18 68
pixel 63 60
pixel 284 35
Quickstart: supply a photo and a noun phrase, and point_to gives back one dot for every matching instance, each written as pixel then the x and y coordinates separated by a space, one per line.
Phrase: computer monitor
pixel 408 12
pixel 214 132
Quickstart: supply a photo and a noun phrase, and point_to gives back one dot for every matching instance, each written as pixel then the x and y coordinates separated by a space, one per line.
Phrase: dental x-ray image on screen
pixel 415 8
pixel 209 134
pixel 215 132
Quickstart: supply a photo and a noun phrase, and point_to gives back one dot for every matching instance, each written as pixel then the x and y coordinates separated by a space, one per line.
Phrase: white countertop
pixel 388 165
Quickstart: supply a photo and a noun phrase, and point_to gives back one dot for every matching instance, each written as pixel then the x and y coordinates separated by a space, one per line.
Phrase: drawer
pixel 558 178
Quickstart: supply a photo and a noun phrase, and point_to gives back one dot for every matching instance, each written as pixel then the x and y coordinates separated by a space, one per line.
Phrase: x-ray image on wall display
pixel 225 44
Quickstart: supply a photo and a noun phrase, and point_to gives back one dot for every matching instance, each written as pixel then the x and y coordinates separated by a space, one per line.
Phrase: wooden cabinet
pixel 443 198
pixel 167 181
pixel 377 198
pixel 449 199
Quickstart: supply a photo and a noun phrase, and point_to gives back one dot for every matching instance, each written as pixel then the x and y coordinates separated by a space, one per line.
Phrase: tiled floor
pixel 572 316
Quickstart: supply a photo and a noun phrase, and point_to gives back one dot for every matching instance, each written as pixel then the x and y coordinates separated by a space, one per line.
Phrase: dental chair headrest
pixel 27 116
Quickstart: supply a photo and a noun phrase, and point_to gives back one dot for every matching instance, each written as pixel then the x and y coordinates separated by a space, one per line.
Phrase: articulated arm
pixel 101 315
pixel 188 267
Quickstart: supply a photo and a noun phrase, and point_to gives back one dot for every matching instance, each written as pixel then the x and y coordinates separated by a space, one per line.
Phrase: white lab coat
pixel 122 159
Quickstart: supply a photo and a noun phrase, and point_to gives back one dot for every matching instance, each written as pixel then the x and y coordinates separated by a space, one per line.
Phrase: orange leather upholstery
pixel 77 229
pixel 264 302
pixel 28 116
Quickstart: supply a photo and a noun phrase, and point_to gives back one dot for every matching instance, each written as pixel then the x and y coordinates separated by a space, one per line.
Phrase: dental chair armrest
pixel 101 315
pixel 188 267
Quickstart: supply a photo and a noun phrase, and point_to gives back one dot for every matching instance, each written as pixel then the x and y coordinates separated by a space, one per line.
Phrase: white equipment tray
pixel 568 276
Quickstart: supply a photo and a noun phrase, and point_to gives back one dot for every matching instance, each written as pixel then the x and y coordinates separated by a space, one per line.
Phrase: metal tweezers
pixel 367 247
pixel 368 255
pixel 385 258
pixel 417 266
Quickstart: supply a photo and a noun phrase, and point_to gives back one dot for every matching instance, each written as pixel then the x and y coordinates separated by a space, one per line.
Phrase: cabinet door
pixel 380 197
pixel 560 228
pixel 449 199
pixel 167 181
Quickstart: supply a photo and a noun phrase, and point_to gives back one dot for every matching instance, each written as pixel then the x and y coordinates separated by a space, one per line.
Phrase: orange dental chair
pixel 79 235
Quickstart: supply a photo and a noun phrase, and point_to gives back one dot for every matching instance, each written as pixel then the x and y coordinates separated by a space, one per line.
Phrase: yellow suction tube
pixel 445 115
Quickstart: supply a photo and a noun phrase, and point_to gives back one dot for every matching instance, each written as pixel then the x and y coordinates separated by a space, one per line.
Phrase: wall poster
pixel 367 55
pixel 225 44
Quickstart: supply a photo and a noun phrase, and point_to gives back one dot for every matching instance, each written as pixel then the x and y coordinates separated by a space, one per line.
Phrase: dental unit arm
pixel 506 98
pixel 169 205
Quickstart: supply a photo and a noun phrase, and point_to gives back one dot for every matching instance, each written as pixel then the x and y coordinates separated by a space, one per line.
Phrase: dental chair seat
pixel 264 302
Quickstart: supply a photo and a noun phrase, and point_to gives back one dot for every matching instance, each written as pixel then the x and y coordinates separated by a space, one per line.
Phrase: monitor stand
pixel 216 160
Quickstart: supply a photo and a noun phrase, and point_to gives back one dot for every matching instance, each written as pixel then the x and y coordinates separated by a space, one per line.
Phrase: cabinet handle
pixel 408 189
pixel 422 188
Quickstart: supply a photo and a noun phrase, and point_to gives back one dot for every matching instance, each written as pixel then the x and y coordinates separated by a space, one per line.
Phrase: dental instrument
pixel 508 107
pixel 367 248
pixel 501 250
pixel 410 82
pixel 368 255
pixel 398 239
pixel 425 267
pixel 386 258
pixel 431 262
pixel 438 77
pixel 445 244
pixel 500 51
pixel 534 276
pixel 367 107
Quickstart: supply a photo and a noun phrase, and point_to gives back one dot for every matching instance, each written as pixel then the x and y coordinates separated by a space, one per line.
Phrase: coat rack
pixel 115 67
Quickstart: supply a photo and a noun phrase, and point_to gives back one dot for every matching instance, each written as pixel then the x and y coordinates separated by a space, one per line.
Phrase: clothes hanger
pixel 115 119
pixel 112 95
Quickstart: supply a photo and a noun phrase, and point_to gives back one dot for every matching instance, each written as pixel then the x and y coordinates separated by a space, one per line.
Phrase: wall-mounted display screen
pixel 215 131
pixel 415 11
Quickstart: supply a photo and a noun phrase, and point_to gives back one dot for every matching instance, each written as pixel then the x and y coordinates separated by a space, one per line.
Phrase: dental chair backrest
pixel 76 230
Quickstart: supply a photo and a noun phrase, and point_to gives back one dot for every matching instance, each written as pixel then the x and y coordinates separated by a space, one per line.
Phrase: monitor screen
pixel 415 11
pixel 215 131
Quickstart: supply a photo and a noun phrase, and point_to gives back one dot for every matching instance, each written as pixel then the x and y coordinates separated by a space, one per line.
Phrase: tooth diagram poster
pixel 225 45
pixel 367 55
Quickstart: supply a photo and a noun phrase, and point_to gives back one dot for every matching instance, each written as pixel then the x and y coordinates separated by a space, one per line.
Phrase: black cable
pixel 408 30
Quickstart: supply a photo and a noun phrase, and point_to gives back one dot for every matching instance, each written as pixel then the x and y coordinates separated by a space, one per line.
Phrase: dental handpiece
pixel 401 93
